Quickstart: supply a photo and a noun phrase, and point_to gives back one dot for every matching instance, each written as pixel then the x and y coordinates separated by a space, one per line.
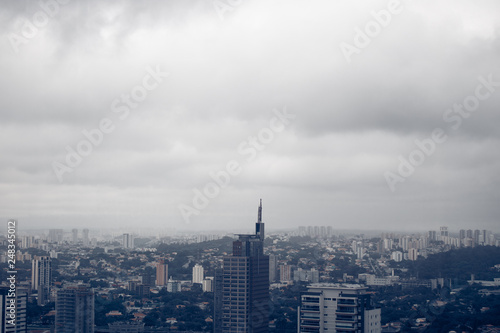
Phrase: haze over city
pixel 184 114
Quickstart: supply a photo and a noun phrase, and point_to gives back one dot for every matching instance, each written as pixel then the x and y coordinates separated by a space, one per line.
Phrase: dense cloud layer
pixel 332 128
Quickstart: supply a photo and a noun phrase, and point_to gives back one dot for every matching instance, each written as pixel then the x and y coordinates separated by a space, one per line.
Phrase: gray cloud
pixel 225 78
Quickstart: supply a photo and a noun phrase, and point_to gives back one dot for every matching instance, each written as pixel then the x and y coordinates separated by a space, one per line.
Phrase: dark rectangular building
pixel 245 286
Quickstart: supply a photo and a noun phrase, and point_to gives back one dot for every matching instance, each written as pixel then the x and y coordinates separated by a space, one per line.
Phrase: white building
pixel 208 284
pixel 128 241
pixel 197 274
pixel 412 254
pixel 328 307
pixel 397 256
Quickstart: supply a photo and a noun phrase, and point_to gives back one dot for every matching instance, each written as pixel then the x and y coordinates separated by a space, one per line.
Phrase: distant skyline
pixel 380 115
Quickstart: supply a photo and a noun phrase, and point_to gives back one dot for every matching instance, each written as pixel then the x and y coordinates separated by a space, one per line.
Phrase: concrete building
pixel 173 286
pixel 208 284
pixel 273 267
pixel 41 278
pixel 9 324
pixel 85 237
pixel 245 285
pixel 412 254
pixel 128 241
pixel 328 307
pixel 161 273
pixel 285 273
pixel 74 236
pixel 197 274
pixel 397 256
pixel 443 232
pixel 75 309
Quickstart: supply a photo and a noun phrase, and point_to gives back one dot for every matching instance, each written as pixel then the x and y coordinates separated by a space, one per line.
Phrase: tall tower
pixel 197 274
pixel 245 285
pixel 161 273
pixel 74 238
pixel 7 299
pixel 75 309
pixel 128 241
pixel 41 276
pixel 86 240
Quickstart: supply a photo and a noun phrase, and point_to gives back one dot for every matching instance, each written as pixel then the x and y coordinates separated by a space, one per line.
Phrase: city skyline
pixel 378 115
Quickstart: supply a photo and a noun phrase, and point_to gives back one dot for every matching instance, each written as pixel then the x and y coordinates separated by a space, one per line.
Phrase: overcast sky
pixel 311 105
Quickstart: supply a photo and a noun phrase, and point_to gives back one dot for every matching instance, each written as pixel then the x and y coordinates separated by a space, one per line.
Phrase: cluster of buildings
pixel 240 281
pixel 241 298
pixel 410 247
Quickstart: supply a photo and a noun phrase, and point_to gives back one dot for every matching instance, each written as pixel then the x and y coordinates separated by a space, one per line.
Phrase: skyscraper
pixel 75 309
pixel 161 273
pixel 74 234
pixel 285 273
pixel 412 254
pixel 328 307
pixel 273 267
pixel 245 285
pixel 41 276
pixel 85 238
pixel 128 241
pixel 443 232
pixel 9 324
pixel 197 274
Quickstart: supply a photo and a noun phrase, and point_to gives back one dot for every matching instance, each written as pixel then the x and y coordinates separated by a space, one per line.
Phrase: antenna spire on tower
pixel 259 217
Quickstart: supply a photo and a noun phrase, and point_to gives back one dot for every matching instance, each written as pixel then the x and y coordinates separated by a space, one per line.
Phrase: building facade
pixel 41 277
pixel 328 307
pixel 85 237
pixel 128 241
pixel 273 267
pixel 75 309
pixel 245 285
pixel 197 274
pixel 161 273
pixel 17 322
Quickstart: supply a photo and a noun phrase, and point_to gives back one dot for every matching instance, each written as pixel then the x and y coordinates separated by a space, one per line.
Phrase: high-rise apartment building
pixel 161 273
pixel 128 241
pixel 412 254
pixel 208 284
pixel 75 309
pixel 27 242
pixel 245 285
pixel 461 234
pixel 41 277
pixel 477 234
pixel 197 274
pixel 40 271
pixel 17 322
pixel 74 236
pixel 273 267
pixel 285 273
pixel 443 232
pixel 85 237
pixel 328 307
